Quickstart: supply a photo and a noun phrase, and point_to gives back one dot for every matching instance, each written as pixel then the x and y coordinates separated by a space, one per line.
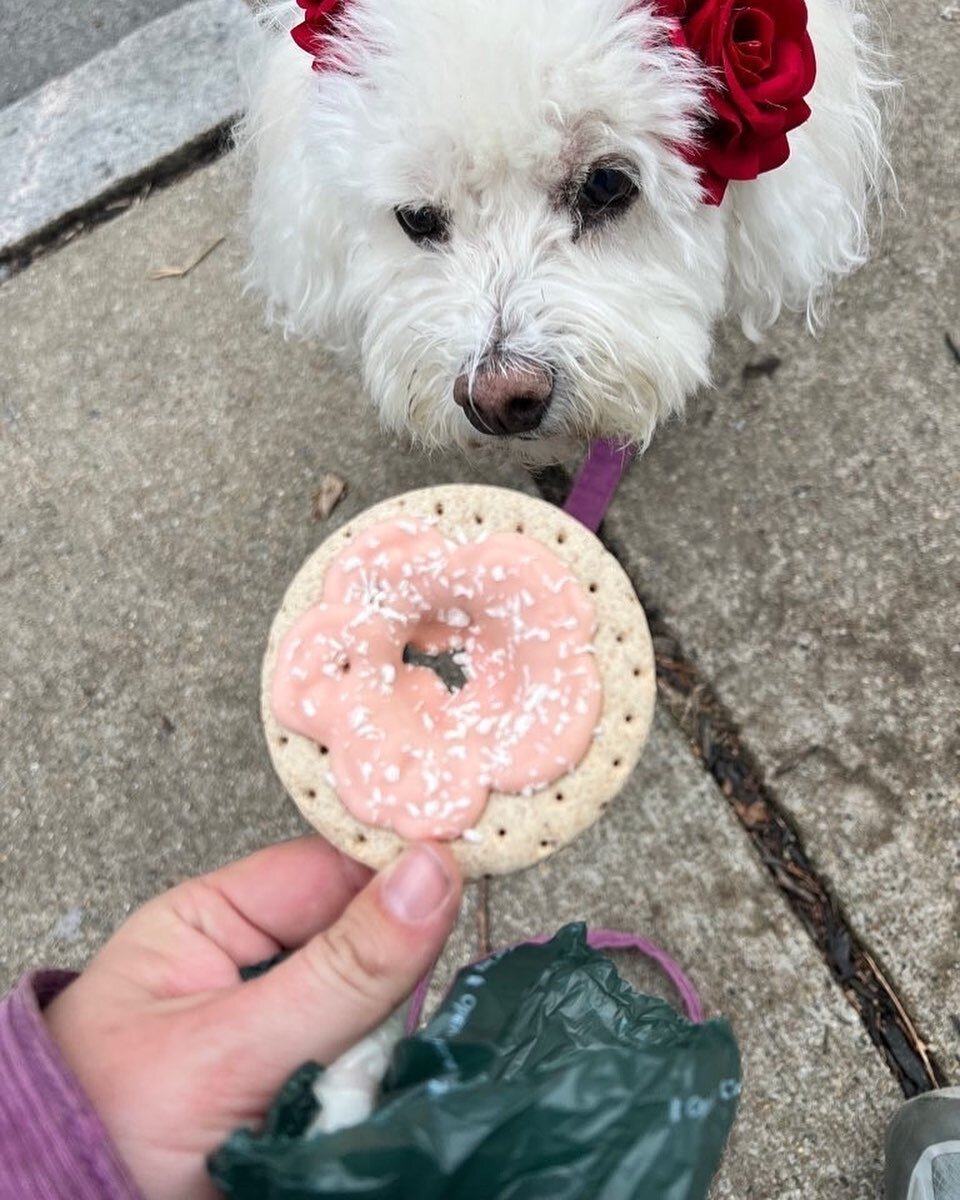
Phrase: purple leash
pixel 597 482
pixel 600 939
pixel 590 497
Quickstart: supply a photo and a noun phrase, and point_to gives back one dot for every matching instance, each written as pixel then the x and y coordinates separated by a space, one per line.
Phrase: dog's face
pixel 486 204
pixel 525 261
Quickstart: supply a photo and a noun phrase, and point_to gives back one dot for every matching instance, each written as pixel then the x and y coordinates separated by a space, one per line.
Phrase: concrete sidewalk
pixel 140 110
pixel 160 450
pixel 46 38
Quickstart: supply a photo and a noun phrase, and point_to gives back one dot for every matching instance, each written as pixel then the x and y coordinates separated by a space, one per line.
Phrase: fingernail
pixel 417 885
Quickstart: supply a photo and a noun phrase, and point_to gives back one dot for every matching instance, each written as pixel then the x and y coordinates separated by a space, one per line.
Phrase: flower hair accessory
pixel 762 67
pixel 314 33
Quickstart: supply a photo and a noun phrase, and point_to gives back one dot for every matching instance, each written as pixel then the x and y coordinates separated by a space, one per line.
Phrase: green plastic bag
pixel 544 1076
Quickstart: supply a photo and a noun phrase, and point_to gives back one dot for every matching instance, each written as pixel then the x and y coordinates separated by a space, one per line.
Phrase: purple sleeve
pixel 53 1145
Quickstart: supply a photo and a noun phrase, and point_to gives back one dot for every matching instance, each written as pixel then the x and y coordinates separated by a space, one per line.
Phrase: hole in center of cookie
pixel 445 666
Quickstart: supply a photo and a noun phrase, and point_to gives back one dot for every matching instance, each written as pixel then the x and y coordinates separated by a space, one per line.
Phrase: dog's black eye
pixel 423 224
pixel 605 192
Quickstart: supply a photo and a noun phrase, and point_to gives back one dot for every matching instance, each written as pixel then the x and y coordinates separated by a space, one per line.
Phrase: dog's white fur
pixel 486 107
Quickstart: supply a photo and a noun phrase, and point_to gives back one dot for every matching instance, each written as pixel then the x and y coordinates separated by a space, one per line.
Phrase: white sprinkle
pixel 309 708
pixel 536 635
pixel 472 835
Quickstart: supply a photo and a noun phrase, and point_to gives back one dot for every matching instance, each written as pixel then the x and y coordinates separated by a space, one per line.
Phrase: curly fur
pixel 489 108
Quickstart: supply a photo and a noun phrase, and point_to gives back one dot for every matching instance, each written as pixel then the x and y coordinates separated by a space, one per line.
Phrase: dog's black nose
pixel 505 400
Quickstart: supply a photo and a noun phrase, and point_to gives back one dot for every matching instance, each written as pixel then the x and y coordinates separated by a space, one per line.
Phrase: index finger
pixel 293 890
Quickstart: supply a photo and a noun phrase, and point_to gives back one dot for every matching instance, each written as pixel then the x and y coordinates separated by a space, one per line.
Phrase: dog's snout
pixel 505 400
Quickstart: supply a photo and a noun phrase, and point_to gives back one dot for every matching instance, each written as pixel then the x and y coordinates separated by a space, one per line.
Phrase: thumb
pixel 350 978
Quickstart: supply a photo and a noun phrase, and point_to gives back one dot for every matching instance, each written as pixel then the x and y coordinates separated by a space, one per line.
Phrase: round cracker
pixel 514 831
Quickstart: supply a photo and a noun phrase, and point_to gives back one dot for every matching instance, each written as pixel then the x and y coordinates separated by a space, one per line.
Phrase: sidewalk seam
pixel 139 112
pixel 193 156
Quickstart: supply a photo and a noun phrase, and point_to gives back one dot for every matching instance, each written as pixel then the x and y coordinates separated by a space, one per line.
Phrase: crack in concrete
pixel 717 743
pixel 113 203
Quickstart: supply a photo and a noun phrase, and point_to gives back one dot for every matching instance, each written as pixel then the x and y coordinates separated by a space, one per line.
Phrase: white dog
pixel 523 218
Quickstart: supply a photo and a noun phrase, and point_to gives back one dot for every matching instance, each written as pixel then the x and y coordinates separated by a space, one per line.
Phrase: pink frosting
pixel 404 752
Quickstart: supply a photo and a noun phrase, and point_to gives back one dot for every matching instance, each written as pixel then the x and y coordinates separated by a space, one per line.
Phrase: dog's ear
pixel 794 231
pixel 298 229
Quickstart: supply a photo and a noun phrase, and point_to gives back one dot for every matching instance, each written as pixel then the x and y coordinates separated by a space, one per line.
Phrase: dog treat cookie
pixel 460 663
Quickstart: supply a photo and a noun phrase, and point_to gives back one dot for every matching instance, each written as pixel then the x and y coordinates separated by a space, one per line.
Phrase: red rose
pixel 764 64
pixel 318 23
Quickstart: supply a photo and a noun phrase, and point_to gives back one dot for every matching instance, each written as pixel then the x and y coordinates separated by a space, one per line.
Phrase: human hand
pixel 175 1052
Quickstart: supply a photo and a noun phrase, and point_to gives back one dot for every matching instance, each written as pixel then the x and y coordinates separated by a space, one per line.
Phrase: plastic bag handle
pixel 598 939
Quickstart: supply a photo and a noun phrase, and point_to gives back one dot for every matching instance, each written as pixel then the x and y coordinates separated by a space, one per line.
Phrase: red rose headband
pixel 758 51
